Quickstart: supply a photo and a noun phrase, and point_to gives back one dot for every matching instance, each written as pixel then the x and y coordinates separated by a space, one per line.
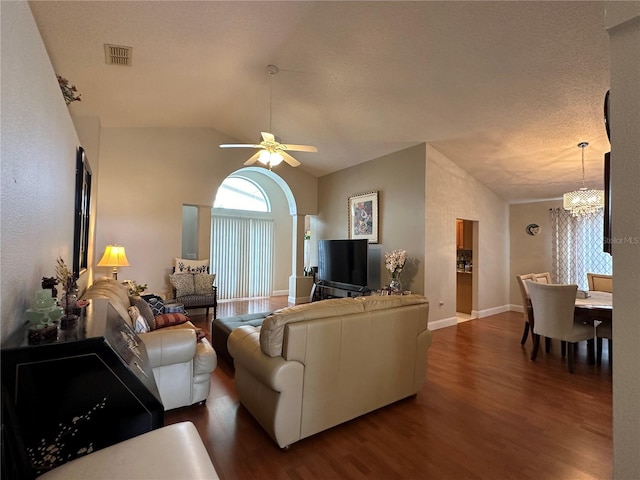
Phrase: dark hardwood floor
pixel 485 412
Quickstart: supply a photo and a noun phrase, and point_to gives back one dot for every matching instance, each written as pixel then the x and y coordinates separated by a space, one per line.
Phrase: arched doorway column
pixel 299 284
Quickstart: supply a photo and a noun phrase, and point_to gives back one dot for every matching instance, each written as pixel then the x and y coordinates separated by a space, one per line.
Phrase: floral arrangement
pixel 68 92
pixel 65 277
pixel 134 288
pixel 394 262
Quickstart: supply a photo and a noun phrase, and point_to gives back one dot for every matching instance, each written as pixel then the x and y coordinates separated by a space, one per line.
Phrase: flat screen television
pixel 343 261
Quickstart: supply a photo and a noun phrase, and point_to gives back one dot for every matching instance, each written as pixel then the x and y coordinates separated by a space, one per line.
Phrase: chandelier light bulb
pixel 584 201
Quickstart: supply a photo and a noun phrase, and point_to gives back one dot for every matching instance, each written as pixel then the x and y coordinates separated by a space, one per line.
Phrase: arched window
pixel 240 193
pixel 242 233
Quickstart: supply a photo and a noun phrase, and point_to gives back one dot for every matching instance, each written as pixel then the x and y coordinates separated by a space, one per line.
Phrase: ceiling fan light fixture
pixel 264 157
pixel 276 159
pixel 584 201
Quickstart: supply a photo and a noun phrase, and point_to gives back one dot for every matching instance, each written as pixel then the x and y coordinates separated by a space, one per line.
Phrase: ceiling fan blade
pixel 289 159
pixel 299 148
pixel 240 145
pixel 253 159
pixel 268 137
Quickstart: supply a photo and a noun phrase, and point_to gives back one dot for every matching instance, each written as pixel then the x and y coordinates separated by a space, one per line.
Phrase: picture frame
pixel 363 216
pixel 82 213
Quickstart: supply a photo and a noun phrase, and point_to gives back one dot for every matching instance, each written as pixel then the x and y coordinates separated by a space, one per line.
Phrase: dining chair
pixel 604 330
pixel 553 307
pixel 600 282
pixel 526 305
pixel 544 277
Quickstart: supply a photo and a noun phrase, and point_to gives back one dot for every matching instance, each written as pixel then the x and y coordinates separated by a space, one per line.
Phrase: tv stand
pixel 325 290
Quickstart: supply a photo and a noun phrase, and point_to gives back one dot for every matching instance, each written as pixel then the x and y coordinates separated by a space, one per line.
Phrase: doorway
pixel 465 238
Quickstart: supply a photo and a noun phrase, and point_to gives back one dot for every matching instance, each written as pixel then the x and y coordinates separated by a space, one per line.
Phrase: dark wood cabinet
pixel 88 388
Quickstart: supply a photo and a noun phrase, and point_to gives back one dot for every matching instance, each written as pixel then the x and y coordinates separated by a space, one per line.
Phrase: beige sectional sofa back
pixel 337 359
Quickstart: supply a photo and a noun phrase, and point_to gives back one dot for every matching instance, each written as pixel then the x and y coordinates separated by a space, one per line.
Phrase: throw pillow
pixel 183 265
pixel 203 283
pixel 183 283
pixel 169 319
pixel 145 311
pixel 156 303
pixel 139 323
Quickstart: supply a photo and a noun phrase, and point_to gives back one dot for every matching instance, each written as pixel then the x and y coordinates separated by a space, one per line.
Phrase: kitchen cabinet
pixel 464 282
pixel 464 234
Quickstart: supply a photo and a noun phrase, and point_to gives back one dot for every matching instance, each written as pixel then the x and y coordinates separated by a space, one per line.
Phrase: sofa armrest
pixel 167 347
pixel 244 347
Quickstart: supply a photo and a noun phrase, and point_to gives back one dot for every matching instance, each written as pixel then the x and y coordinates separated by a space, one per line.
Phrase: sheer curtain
pixel 577 247
pixel 242 256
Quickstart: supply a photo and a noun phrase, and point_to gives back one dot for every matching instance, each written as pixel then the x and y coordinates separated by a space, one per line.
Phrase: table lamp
pixel 114 256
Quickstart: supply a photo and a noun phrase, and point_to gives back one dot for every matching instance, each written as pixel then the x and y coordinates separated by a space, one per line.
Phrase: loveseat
pixel 182 359
pixel 313 366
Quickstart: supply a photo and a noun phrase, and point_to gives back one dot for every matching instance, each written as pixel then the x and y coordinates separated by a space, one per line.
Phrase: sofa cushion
pixel 145 311
pixel 203 283
pixel 381 302
pixel 183 283
pixel 168 319
pixel 156 303
pixel 117 294
pixel 272 331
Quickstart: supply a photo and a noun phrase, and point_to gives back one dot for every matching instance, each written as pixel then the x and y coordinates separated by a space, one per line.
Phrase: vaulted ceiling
pixel 506 90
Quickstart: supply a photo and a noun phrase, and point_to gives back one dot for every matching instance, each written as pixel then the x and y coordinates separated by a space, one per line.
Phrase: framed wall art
pixel 82 213
pixel 363 216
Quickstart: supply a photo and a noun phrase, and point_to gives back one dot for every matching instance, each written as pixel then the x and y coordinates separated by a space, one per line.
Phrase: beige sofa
pixel 314 366
pixel 181 364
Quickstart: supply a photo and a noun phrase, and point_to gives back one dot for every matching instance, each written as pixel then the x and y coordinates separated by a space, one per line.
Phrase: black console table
pixel 324 290
pixel 88 388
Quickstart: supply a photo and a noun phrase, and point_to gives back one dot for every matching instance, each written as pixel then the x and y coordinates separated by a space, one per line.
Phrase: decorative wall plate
pixel 533 229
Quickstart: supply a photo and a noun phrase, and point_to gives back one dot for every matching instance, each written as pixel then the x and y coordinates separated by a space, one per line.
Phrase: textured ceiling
pixel 504 89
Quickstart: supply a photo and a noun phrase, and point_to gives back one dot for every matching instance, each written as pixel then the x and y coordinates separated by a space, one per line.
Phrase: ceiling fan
pixel 272 152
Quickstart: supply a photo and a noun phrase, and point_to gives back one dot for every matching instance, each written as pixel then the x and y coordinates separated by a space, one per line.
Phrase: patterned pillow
pixel 183 265
pixel 145 311
pixel 203 283
pixel 156 303
pixel 183 283
pixel 168 319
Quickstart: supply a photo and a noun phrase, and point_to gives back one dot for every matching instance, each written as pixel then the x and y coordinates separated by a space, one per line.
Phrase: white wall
pixel 399 180
pixel 147 174
pixel 452 193
pixel 622 21
pixel 529 254
pixel 38 154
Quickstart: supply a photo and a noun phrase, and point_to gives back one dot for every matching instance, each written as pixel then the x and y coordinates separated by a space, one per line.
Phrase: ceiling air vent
pixel 118 55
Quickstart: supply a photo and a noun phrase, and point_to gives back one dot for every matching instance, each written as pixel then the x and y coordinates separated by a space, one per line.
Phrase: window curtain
pixel 242 256
pixel 577 247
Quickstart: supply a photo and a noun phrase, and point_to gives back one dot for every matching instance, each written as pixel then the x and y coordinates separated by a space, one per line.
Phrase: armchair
pixel 193 285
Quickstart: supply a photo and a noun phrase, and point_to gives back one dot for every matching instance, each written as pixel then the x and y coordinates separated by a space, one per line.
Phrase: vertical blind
pixel 242 256
pixel 577 247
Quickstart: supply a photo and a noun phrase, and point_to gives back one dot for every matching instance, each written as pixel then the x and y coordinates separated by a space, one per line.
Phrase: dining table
pixel 598 306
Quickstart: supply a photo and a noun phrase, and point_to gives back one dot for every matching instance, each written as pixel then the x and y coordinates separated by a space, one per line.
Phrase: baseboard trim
pixel 445 322
pixel 492 311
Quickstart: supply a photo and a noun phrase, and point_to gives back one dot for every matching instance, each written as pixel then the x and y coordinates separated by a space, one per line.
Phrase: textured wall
pixel 623 24
pixel 399 180
pixel 452 193
pixel 38 152
pixel 529 254
pixel 164 169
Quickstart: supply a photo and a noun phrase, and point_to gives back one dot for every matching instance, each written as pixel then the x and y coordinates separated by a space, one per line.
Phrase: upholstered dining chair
pixel 554 306
pixel 600 282
pixel 526 305
pixel 604 330
pixel 544 277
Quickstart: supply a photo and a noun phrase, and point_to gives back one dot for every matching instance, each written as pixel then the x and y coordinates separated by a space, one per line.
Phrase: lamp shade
pixel 114 256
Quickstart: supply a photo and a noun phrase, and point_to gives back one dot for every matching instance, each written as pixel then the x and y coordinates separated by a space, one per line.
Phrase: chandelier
pixel 583 201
